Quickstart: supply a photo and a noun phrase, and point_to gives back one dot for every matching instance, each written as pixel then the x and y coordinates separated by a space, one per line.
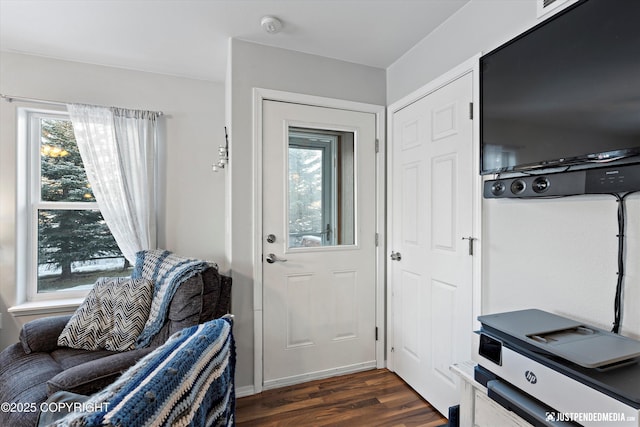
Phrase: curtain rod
pixel 11 98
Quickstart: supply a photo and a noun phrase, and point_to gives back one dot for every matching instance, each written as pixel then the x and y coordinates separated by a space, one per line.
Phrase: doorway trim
pixel 260 95
pixel 472 65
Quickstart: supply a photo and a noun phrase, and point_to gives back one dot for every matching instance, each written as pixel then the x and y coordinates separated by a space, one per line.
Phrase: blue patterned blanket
pixel 188 381
pixel 167 271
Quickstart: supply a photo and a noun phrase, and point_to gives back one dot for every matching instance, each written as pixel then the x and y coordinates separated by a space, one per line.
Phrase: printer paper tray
pixel 585 346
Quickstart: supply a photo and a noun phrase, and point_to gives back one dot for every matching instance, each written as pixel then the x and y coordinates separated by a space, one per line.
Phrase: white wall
pixel 193 215
pixel 479 26
pixel 558 255
pixel 254 65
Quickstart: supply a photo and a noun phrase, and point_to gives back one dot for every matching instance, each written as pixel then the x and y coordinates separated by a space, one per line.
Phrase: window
pixel 321 188
pixel 68 244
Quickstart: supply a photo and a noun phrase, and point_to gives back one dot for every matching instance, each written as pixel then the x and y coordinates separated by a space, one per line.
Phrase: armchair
pixel 36 367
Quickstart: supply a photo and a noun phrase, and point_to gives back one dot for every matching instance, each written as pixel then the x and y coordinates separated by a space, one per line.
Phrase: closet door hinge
pixel 377 145
pixel 376 333
pixel 377 239
pixel 471 111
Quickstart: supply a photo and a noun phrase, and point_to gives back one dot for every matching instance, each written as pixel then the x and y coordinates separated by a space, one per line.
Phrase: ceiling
pixel 189 38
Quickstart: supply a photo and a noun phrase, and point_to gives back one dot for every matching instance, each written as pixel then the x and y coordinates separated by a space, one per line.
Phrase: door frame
pixel 471 65
pixel 260 95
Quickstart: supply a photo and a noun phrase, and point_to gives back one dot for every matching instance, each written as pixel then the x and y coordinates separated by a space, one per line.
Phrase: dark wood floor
pixel 371 398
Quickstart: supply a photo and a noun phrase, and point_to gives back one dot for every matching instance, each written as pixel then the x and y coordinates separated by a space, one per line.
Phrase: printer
pixel 553 371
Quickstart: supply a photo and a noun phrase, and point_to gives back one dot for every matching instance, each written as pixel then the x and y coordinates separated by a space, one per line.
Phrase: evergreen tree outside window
pixel 70 245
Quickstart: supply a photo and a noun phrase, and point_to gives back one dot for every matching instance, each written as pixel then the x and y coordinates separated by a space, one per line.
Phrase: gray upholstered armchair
pixel 37 367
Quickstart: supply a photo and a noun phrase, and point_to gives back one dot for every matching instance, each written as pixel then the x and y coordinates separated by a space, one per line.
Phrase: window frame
pixel 30 186
pixel 328 148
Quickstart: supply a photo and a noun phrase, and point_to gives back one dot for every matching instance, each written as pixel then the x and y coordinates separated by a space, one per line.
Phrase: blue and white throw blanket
pixel 188 381
pixel 167 271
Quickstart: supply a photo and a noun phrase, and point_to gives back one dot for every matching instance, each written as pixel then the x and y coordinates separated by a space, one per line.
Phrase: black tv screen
pixel 565 93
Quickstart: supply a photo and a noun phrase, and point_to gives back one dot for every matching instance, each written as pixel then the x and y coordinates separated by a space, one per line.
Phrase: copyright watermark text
pixel 53 407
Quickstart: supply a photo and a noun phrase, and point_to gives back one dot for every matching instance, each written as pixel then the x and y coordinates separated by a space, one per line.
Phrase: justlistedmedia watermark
pixel 581 417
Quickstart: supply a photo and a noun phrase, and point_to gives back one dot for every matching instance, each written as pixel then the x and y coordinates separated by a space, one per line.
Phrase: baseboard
pixel 245 391
pixel 319 375
pixel 250 390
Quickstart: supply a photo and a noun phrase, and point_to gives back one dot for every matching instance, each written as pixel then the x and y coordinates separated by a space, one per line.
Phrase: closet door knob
pixel 470 239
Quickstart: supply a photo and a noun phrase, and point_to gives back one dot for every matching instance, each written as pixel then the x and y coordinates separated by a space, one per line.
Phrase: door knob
pixel 396 256
pixel 271 258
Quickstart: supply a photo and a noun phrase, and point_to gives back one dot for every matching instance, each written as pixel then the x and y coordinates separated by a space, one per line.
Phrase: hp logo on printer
pixel 531 377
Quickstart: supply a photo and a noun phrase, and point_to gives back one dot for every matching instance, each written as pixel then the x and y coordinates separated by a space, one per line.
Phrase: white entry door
pixel 431 209
pixel 319 224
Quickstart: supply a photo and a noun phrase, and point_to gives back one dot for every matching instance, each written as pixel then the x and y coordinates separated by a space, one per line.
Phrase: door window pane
pixel 321 188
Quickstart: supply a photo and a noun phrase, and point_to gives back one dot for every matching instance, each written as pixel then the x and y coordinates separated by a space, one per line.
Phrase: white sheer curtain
pixel 118 151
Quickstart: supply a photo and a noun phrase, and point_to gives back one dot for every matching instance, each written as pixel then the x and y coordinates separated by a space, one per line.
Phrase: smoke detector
pixel 271 24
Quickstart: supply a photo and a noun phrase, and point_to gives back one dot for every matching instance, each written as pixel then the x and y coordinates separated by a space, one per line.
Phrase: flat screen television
pixel 566 93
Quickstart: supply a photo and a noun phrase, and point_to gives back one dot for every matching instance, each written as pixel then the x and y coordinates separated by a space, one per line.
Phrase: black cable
pixel 618 301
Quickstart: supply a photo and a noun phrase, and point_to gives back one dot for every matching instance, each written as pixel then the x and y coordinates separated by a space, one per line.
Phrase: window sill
pixel 36 308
